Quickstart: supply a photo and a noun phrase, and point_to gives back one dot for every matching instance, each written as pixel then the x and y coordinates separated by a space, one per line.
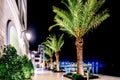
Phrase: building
pixel 42 55
pixel 33 58
pixel 38 57
pixel 13 25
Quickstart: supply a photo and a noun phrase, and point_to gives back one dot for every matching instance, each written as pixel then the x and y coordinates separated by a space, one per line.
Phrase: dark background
pixel 101 44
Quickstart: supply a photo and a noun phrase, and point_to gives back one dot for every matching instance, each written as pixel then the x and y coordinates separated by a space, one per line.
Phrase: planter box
pixel 92 77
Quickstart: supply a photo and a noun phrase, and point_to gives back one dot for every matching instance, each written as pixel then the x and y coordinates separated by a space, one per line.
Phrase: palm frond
pixel 98 5
pixel 60 41
pixel 79 16
pixel 54 42
pixel 63 14
pixel 49 44
pixel 98 19
pixel 50 28
pixel 65 26
pixel 48 51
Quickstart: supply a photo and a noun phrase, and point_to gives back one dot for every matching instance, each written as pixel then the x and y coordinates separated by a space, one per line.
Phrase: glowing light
pixel 28 35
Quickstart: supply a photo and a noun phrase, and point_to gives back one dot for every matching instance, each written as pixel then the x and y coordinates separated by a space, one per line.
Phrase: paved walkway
pixel 48 75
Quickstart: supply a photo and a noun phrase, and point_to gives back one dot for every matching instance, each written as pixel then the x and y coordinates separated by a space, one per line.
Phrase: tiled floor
pixel 48 75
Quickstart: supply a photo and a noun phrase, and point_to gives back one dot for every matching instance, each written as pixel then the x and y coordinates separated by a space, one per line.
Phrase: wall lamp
pixel 27 34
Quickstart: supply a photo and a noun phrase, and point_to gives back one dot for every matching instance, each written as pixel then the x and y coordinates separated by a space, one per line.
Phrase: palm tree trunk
pixel 51 63
pixel 79 48
pixel 57 61
pixel 47 64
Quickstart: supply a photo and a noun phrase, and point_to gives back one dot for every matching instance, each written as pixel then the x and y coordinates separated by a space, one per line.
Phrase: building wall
pixel 10 12
pixel 2 30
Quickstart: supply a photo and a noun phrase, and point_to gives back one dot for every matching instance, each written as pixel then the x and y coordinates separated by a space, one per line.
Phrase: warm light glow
pixel 13 37
pixel 28 35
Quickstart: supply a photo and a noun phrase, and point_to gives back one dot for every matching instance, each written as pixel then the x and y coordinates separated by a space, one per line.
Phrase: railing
pixel 93 67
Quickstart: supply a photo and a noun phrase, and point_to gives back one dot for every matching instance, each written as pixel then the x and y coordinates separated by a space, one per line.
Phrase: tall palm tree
pixel 77 19
pixel 55 43
pixel 50 53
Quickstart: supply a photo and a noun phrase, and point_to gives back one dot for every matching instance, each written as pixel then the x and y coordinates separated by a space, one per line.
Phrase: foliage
pixel 77 76
pixel 47 58
pixel 48 51
pixel 74 76
pixel 13 66
pixel 27 66
pixel 69 73
pixel 3 68
pixel 79 16
pixel 54 42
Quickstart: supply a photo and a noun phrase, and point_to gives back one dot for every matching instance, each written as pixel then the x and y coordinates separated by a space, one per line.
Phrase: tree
pixel 77 19
pixel 50 53
pixel 47 59
pixel 55 43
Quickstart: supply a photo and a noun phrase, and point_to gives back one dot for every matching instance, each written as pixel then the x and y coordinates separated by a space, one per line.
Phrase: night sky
pixel 100 44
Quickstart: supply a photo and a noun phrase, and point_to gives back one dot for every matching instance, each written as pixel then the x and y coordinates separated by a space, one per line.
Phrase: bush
pixel 27 66
pixel 13 66
pixel 3 68
pixel 70 74
pixel 77 77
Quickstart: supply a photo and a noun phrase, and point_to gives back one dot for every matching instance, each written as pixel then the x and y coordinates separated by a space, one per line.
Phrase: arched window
pixel 11 35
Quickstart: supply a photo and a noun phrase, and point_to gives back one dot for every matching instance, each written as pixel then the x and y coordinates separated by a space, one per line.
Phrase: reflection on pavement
pixel 48 75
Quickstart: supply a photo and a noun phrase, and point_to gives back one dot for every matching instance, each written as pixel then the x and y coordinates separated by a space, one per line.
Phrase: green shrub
pixel 69 73
pixel 3 68
pixel 27 66
pixel 13 66
pixel 77 76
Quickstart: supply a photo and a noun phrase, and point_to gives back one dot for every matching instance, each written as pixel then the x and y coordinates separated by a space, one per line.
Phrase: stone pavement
pixel 49 75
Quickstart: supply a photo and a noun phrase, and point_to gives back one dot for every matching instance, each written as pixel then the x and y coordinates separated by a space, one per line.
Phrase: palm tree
pixel 50 53
pixel 77 19
pixel 55 43
pixel 47 59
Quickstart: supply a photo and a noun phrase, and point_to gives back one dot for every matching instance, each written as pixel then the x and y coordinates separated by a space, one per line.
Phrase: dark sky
pixel 101 43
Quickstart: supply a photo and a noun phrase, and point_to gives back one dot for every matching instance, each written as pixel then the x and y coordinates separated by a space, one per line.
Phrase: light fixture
pixel 28 35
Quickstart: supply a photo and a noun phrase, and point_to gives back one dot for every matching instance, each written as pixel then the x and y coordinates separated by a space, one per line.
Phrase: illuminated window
pixel 12 36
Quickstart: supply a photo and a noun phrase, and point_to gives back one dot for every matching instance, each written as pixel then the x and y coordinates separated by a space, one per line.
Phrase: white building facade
pixel 13 25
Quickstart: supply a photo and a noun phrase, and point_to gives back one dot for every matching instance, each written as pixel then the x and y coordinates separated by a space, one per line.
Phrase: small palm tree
pixel 47 59
pixel 50 53
pixel 55 43
pixel 77 19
